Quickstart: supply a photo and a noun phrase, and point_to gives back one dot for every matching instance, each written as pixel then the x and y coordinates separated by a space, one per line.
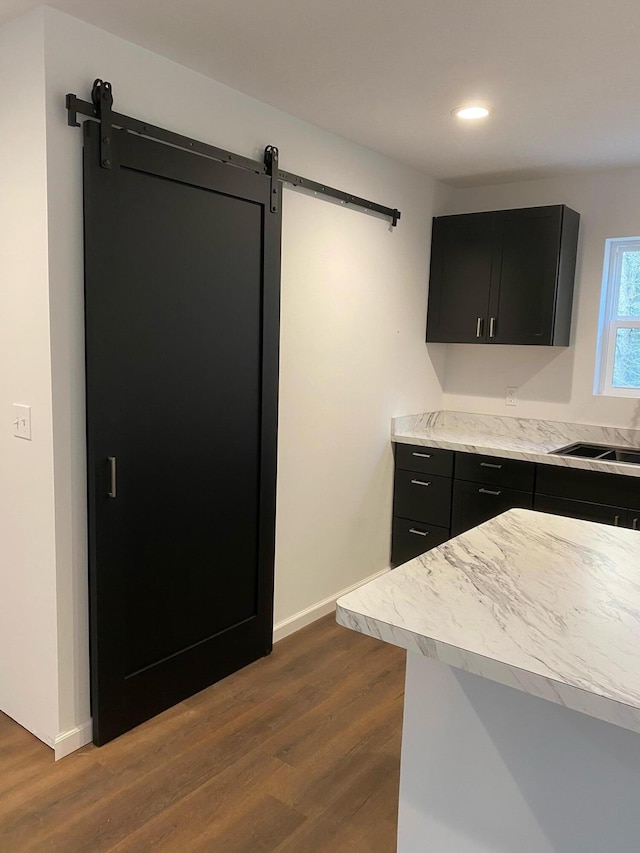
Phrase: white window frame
pixel 609 322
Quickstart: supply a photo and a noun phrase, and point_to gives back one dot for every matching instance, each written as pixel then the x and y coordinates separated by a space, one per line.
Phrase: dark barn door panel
pixel 182 266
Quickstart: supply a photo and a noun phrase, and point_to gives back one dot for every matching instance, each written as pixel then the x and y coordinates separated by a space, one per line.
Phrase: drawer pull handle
pixel 420 483
pixel 112 493
pixel 422 455
pixel 489 492
pixel 634 524
pixel 489 465
pixel 616 520
pixel 418 532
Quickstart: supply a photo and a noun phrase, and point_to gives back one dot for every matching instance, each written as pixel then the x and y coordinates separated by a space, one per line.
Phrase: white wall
pixel 553 383
pixel 28 679
pixel 352 345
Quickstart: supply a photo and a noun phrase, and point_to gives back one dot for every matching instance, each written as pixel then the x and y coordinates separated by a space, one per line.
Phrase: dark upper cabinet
pixel 503 277
pixel 462 250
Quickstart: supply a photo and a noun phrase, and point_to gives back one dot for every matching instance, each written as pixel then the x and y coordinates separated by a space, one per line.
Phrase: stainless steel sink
pixel 601 452
pixel 621 455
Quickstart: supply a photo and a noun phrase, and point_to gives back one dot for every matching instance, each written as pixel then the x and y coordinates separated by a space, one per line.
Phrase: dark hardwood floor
pixel 299 752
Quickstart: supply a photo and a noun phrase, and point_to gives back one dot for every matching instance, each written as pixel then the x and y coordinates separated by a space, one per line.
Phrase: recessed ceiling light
pixel 471 112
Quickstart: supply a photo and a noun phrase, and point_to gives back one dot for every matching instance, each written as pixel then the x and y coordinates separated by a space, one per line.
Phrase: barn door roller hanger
pixel 101 109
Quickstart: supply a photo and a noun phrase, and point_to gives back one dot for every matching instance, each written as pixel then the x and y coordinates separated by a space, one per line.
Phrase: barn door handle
pixel 112 493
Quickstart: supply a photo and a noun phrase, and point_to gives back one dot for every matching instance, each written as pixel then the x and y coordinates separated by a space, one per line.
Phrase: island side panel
pixel 488 769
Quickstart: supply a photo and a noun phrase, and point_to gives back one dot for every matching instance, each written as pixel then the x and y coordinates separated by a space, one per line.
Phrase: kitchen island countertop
pixel 544 604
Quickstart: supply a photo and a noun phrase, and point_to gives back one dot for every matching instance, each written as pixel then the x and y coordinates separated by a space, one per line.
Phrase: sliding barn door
pixel 182 265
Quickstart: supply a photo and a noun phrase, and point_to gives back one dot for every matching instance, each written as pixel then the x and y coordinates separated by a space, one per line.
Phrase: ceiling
pixel 562 75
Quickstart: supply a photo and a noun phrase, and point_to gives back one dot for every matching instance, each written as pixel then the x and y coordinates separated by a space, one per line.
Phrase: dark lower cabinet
pixel 423 496
pixel 421 500
pixel 474 503
pixel 412 538
pixel 618 516
pixel 485 486
pixel 441 493
pixel 592 487
pixel 426 460
pixel 493 471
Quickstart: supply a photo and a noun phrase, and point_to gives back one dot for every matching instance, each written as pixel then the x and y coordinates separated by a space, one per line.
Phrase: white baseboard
pixel 68 742
pixel 316 611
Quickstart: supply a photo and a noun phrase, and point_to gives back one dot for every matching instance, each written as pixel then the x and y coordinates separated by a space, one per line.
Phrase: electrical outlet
pixel 511 397
pixel 22 421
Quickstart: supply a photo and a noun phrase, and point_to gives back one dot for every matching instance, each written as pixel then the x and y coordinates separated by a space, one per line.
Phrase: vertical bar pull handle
pixel 492 327
pixel 479 327
pixel 634 524
pixel 616 520
pixel 112 477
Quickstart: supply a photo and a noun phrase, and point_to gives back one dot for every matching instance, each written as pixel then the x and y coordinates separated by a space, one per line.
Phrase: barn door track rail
pixel 100 108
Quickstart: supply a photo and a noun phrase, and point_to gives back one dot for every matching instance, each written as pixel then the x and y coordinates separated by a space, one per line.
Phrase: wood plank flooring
pixel 297 753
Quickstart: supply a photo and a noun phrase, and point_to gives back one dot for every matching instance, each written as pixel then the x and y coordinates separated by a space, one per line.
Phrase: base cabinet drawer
pixel 474 503
pixel 412 538
pixel 422 497
pixel 428 460
pixel 586 510
pixel 588 486
pixel 510 473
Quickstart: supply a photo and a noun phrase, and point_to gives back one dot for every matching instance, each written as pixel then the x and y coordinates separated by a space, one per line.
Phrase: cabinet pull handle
pixel 489 465
pixel 634 523
pixel 422 455
pixel 616 520
pixel 479 327
pixel 490 492
pixel 418 532
pixel 112 493
pixel 420 483
pixel 492 327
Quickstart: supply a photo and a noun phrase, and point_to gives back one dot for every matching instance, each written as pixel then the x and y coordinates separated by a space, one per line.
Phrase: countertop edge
pixel 577 699
pixel 543 457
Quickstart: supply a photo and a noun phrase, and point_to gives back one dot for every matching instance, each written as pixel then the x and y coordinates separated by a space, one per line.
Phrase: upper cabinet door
pixel 503 277
pixel 460 279
pixel 530 282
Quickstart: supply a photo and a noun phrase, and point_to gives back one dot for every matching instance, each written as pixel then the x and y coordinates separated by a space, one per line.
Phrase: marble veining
pixel 545 604
pixel 514 438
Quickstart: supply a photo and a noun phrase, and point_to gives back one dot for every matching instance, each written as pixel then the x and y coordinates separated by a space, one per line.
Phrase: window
pixel 619 338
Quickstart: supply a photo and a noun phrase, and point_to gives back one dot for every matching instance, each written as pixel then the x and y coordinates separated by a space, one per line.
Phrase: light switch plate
pixel 22 421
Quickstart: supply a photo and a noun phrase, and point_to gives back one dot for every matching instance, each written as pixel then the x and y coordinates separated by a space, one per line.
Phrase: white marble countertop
pixel 545 604
pixel 514 438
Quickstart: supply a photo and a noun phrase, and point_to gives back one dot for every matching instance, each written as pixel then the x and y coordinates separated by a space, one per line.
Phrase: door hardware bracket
pixel 271 154
pixel 102 98
pixel 100 109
